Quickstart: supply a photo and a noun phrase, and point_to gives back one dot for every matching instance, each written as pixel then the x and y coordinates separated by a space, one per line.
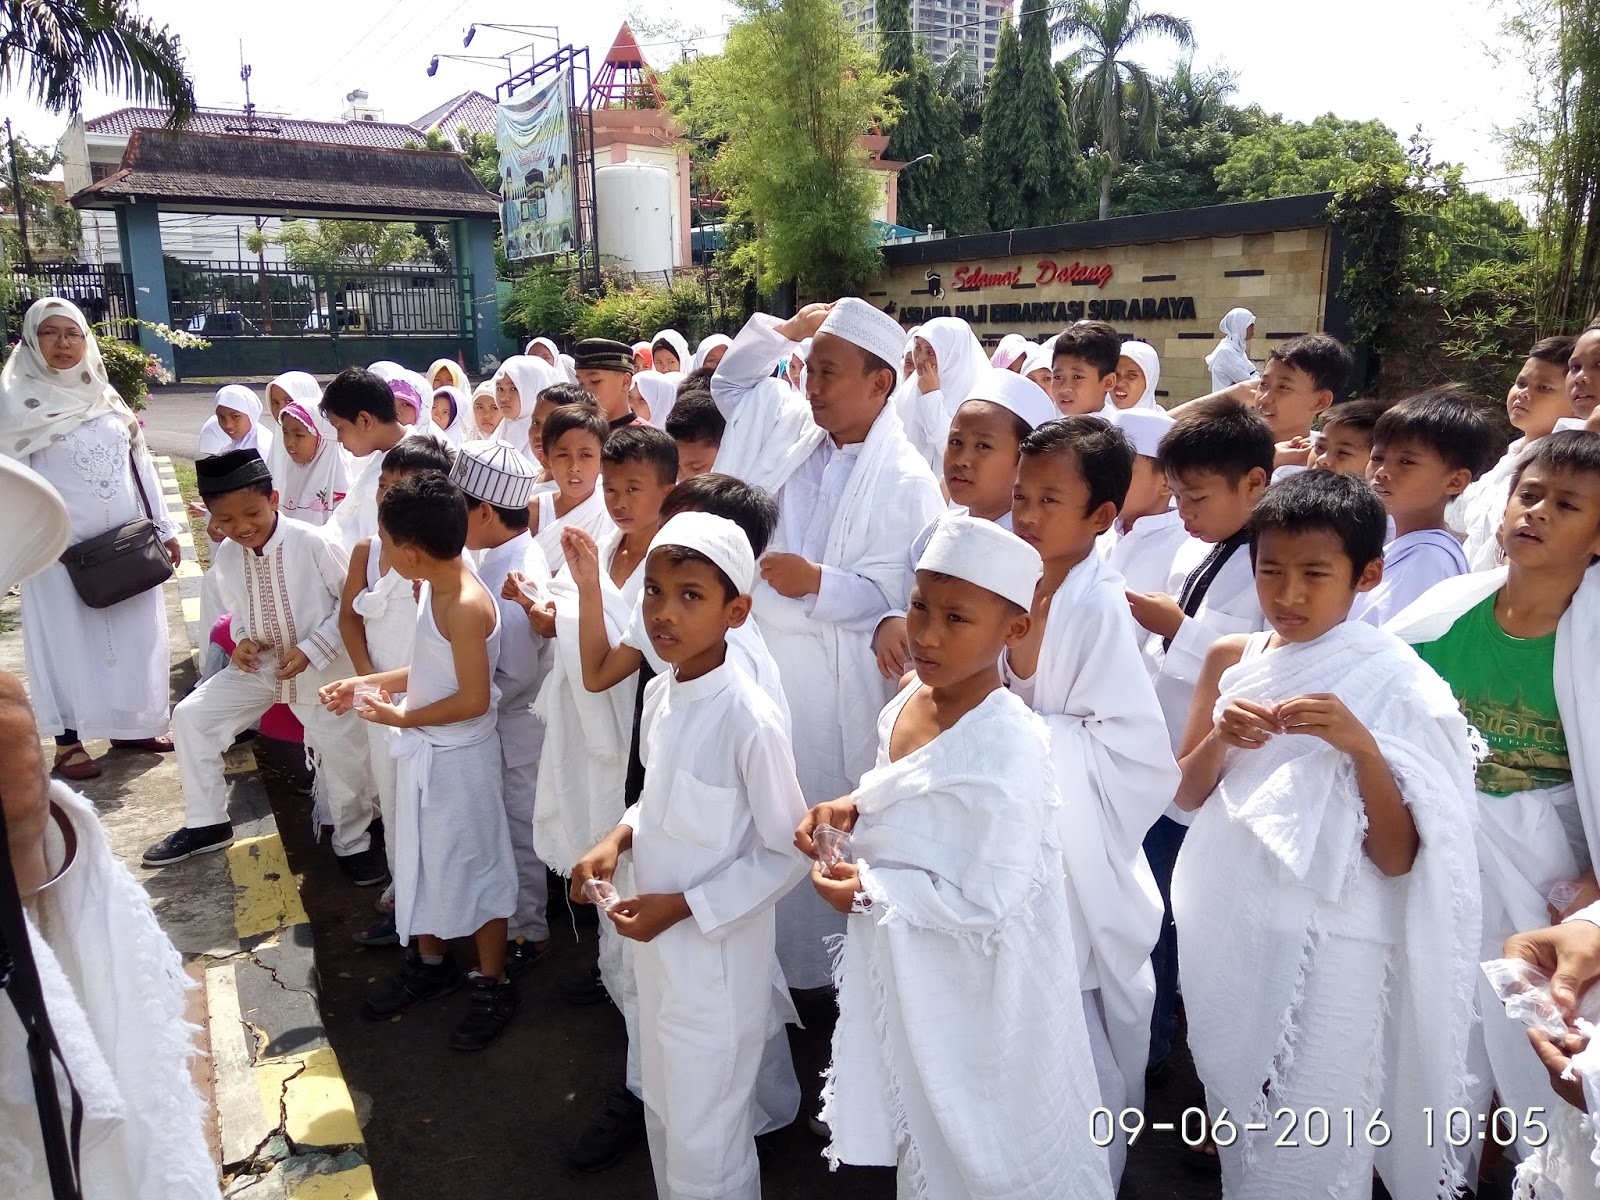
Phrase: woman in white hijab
pixel 669 353
pixel 710 351
pixel 658 394
pixel 1138 372
pixel 92 672
pixel 1039 364
pixel 949 358
pixel 236 424
pixel 516 390
pixel 1230 361
pixel 316 472
pixel 550 354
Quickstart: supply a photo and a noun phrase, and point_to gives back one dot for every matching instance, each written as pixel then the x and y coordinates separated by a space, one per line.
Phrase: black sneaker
pixel 522 953
pixel 186 843
pixel 416 982
pixel 494 1003
pixel 586 989
pixel 365 868
pixel 381 934
pixel 619 1128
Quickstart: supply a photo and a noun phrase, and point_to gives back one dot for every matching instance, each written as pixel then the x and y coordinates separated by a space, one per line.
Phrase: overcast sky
pixel 1405 62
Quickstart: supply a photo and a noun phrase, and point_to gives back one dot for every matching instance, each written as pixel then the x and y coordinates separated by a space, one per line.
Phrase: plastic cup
pixel 833 845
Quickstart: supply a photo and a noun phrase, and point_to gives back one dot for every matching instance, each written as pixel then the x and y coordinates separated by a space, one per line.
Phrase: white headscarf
pixel 529 376
pixel 458 377
pixel 311 492
pixel 391 373
pixel 1040 358
pixel 660 392
pixel 455 432
pixel 303 389
pixel 959 354
pixel 241 400
pixel 1150 363
pixel 39 404
pixel 486 388
pixel 562 363
pixel 1231 358
pixel 709 343
pixel 1012 347
pixel 680 346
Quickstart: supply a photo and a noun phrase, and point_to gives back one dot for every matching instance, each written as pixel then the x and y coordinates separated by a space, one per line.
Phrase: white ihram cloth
pixel 715 822
pixel 453 867
pixel 1142 553
pixel 387 607
pixel 747 650
pixel 357 514
pixel 1528 841
pixel 1477 514
pixel 590 516
pixel 1567 1166
pixel 102 671
pixel 1294 949
pixel 1412 564
pixel 1116 775
pixel 114 987
pixel 960 1054
pixel 853 509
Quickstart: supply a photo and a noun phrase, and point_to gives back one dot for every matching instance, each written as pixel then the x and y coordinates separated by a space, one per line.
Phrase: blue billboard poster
pixel 535 141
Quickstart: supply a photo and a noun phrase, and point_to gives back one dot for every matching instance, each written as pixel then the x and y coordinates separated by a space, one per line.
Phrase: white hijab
pixel 680 346
pixel 1149 362
pixel 458 377
pixel 707 345
pixel 660 392
pixel 959 354
pixel 304 390
pixel 241 400
pixel 1233 352
pixel 1012 347
pixel 311 492
pixel 455 432
pixel 529 376
pixel 39 404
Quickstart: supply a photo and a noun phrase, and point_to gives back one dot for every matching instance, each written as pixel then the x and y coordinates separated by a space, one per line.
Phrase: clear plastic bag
pixel 1525 991
pixel 601 894
pixel 1562 895
pixel 365 693
pixel 833 846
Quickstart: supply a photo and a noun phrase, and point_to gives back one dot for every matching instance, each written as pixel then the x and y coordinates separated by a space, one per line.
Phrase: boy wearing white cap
pixel 710 840
pixel 1143 540
pixel 852 492
pixel 498 483
pixel 960 1055
pixel 1080 668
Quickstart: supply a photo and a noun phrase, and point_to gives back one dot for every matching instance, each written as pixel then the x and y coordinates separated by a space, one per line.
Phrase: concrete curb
pixel 286 1124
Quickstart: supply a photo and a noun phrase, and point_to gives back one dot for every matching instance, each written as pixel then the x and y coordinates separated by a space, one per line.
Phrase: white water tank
pixel 633 203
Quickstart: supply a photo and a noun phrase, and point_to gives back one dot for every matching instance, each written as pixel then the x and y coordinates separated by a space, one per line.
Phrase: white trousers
pixel 377 758
pixel 209 718
pixel 1113 1083
pixel 530 921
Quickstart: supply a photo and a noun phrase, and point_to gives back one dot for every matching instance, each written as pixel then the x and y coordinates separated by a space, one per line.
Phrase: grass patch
pixel 189 489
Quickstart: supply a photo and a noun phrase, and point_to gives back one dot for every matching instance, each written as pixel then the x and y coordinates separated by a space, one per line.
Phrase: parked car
pixel 222 324
pixel 350 320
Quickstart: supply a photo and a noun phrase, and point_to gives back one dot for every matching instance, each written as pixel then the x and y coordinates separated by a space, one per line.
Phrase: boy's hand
pixel 599 863
pixel 339 697
pixel 214 532
pixel 294 662
pixel 1326 717
pixel 1247 392
pixel 805 323
pixel 1157 612
pixel 245 655
pixel 542 617
pixel 645 918
pixel 1246 725
pixel 893 648
pixel 1569 953
pixel 791 576
pixel 382 711
pixel 841 814
pixel 511 589
pixel 1557 1057
pixel 838 889
pixel 583 557
pixel 1296 452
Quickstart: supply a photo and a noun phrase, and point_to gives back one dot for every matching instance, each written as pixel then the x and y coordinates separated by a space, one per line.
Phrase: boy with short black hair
pixel 1324 896
pixel 1516 646
pixel 1302 378
pixel 960 936
pixel 557 395
pixel 454 872
pixel 1425 452
pixel 696 424
pixel 1342 440
pixel 1083 367
pixel 701 913
pixel 281 580
pixel 574 438
pixel 361 408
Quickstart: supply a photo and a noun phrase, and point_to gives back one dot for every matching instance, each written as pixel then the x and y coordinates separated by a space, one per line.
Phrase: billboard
pixel 534 135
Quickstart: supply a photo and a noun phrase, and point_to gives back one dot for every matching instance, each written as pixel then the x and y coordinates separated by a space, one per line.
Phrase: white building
pixel 970 28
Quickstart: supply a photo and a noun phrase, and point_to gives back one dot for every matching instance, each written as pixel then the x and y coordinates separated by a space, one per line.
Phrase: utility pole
pixel 17 200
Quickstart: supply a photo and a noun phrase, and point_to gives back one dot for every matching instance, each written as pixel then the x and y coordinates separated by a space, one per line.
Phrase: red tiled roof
pixel 389 134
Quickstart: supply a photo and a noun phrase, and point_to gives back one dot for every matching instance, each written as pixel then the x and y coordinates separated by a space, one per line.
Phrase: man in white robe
pixel 852 493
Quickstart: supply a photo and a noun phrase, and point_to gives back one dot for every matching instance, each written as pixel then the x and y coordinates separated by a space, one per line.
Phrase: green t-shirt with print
pixel 1507 690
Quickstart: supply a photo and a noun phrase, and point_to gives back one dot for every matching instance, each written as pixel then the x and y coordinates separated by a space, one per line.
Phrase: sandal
pixel 150 745
pixel 76 765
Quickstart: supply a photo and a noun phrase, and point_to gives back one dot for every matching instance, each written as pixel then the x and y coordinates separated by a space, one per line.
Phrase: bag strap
pixel 133 465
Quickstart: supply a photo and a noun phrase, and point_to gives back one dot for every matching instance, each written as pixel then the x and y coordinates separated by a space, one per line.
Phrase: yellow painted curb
pixel 354 1184
pixel 266 898
pixel 316 1102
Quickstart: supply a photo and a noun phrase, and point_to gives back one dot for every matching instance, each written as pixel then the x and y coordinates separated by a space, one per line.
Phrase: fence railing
pixel 104 293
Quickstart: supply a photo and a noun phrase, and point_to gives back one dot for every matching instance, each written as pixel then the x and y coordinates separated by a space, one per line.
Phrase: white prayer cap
pixel 718 538
pixel 1015 393
pixel 36 520
pixel 494 473
pixel 874 330
pixel 984 554
pixel 1145 427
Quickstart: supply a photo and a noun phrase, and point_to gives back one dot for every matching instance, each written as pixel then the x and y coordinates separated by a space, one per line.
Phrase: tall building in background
pixel 970 28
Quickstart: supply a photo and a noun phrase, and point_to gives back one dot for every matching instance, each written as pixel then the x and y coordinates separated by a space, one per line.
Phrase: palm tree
pixel 53 49
pixel 1196 98
pixel 1114 96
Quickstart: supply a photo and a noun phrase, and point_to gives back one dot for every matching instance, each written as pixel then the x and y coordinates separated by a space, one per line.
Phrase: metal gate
pixel 104 293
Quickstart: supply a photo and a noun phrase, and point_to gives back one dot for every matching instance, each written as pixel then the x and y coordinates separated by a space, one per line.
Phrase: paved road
pixel 173 416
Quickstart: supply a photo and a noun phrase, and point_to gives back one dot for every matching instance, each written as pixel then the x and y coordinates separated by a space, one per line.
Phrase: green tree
pixel 53 225
pixel 1050 172
pixel 1001 132
pixel 1113 95
pixel 790 98
pixel 480 150
pixel 1293 158
pixel 53 49
pixel 350 243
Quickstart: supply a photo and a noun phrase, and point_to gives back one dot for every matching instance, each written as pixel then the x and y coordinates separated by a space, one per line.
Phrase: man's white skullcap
pixel 494 473
pixel 718 538
pixel 37 524
pixel 984 554
pixel 874 330
pixel 1015 393
pixel 1145 428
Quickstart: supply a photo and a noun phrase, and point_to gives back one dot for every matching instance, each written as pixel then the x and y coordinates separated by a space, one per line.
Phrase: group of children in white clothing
pixel 1121 699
